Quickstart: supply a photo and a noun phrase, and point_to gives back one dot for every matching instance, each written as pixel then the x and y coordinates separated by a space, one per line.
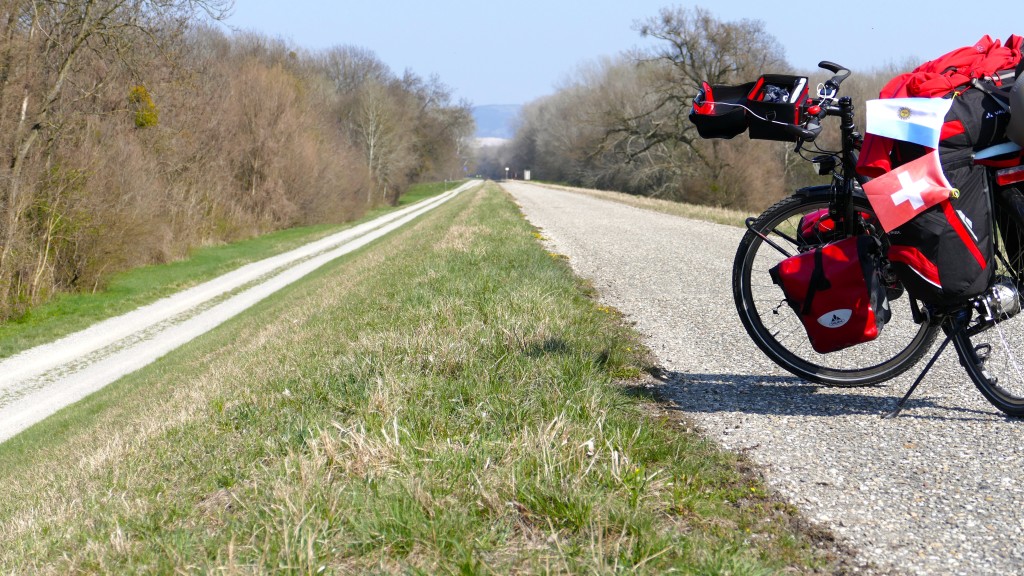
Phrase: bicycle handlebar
pixel 810 129
pixel 841 73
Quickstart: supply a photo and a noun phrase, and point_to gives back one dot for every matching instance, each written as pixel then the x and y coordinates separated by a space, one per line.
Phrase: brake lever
pixel 807 134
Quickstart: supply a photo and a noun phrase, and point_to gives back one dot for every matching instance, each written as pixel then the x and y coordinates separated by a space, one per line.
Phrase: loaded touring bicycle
pixel 918 234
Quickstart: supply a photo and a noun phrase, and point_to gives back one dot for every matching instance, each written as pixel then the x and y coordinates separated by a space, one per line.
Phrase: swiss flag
pixel 908 190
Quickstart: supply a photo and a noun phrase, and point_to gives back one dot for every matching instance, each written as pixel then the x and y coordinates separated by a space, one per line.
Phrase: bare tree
pixel 54 38
pixel 132 131
pixel 695 47
pixel 442 128
pixel 350 67
pixel 655 132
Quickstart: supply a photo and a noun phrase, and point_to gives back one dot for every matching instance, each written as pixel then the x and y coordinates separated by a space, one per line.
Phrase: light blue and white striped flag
pixel 917 120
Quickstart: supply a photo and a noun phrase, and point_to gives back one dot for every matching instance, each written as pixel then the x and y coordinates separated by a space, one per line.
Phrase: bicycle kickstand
pixel 903 401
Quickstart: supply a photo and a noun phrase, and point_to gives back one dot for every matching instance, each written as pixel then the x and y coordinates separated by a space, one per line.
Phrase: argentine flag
pixel 917 120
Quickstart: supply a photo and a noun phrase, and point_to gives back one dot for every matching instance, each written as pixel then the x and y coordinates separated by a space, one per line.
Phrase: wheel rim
pixel 996 363
pixel 995 356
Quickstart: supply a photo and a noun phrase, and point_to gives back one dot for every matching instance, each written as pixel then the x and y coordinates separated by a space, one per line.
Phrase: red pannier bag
pixel 818 227
pixel 837 291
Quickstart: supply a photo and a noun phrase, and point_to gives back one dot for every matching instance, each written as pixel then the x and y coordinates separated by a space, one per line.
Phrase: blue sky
pixel 512 52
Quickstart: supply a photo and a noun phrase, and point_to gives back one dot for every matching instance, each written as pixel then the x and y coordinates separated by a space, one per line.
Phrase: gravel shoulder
pixel 935 491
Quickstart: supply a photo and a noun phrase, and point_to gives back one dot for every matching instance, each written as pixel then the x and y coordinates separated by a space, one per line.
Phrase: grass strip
pixel 68 313
pixel 448 400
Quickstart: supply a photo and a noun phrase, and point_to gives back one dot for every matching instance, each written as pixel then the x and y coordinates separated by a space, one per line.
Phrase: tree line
pixel 134 130
pixel 621 123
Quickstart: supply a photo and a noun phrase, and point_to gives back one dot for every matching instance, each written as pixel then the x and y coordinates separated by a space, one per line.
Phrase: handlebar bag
pixel 837 292
pixel 774 101
pixel 765 106
pixel 718 111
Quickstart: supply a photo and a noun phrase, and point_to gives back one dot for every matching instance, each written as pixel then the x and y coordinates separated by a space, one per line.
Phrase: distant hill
pixel 496 120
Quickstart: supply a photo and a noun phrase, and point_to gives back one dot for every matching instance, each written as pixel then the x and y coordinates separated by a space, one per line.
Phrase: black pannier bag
pixel 837 292
pixel 945 254
pixel 978 116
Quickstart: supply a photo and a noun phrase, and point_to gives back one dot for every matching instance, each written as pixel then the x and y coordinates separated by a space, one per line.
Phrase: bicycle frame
pixel 843 188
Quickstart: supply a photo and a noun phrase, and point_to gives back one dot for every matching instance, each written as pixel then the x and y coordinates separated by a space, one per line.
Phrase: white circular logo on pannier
pixel 835 318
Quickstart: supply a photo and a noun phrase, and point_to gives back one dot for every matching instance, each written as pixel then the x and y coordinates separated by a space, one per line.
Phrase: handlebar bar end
pixel 832 67
pixel 841 73
pixel 808 134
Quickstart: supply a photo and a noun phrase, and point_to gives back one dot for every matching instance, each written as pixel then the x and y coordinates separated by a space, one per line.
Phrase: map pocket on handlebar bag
pixel 837 292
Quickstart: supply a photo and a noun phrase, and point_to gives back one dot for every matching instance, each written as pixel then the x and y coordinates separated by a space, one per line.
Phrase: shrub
pixel 146 114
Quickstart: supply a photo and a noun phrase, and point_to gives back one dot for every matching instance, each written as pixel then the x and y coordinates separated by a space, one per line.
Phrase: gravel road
pixel 936 491
pixel 38 382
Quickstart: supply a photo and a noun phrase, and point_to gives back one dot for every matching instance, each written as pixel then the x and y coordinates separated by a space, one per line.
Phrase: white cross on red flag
pixel 908 190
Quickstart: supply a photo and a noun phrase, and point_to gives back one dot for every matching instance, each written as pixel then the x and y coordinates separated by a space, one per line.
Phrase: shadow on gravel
pixel 790 396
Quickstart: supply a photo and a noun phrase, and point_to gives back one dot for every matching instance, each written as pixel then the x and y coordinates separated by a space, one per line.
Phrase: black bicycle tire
pixel 778 352
pixel 1010 205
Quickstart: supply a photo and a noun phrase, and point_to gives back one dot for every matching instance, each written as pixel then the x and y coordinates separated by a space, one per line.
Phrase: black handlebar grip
pixel 841 73
pixel 808 134
pixel 830 66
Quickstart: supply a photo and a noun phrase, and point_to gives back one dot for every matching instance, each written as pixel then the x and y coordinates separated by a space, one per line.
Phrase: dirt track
pixel 41 381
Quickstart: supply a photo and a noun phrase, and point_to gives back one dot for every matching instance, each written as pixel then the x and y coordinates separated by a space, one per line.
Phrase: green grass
pixel 448 400
pixel 68 313
pixel 428 190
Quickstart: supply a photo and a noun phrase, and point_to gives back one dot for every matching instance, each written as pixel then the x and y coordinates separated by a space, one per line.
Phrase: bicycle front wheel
pixel 993 355
pixel 777 330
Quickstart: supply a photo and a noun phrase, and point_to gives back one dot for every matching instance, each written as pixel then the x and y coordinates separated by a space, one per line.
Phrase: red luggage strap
pixel 818 281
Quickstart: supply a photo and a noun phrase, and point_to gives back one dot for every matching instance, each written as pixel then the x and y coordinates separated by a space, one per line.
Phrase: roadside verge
pixel 39 381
